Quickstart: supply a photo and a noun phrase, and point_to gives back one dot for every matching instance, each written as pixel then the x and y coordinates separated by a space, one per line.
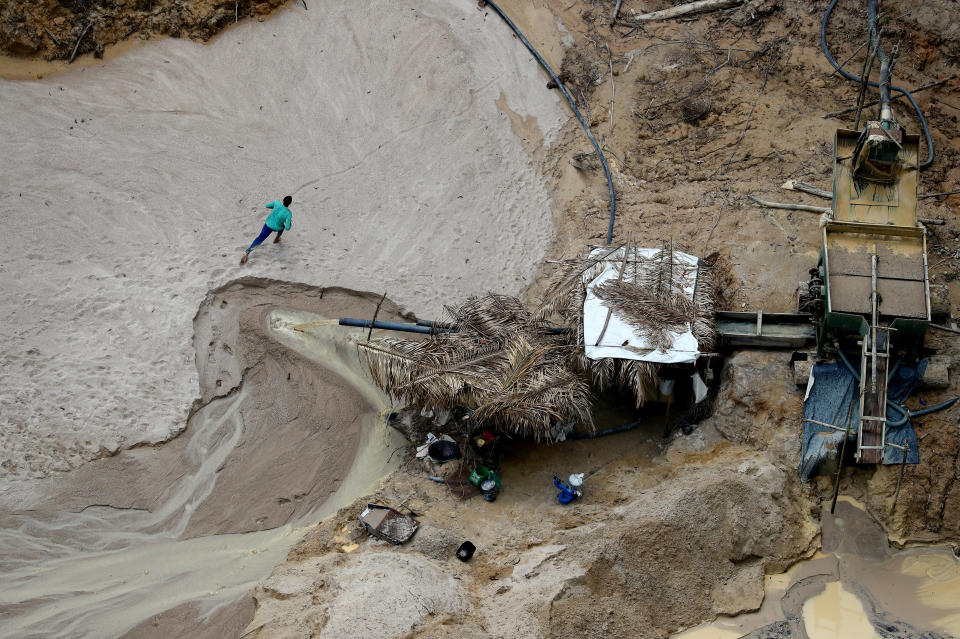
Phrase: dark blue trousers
pixel 264 234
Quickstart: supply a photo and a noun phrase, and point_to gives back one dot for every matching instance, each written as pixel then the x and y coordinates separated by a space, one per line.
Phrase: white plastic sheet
pixel 620 340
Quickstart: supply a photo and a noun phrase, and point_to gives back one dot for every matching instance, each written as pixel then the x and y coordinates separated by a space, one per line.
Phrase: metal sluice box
pixel 873 249
pixel 903 288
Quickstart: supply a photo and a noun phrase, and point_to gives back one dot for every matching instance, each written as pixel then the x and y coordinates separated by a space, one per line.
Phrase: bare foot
pixel 243 260
pixel 276 239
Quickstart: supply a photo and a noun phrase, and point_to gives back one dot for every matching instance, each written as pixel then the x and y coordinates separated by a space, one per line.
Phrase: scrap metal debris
pixel 388 524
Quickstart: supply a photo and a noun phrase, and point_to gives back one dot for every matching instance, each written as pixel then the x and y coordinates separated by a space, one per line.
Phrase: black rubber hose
pixel 604 433
pixel 573 106
pixel 392 326
pixel 933 409
pixel 850 76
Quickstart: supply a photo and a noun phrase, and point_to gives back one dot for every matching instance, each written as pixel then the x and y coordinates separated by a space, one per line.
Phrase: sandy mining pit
pixel 295 435
pixel 425 153
pixel 144 178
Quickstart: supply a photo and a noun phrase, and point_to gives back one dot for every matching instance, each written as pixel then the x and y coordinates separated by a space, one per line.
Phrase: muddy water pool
pixel 857 587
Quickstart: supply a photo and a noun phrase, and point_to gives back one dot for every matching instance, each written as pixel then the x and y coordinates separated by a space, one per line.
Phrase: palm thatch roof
pixel 520 374
pixel 510 367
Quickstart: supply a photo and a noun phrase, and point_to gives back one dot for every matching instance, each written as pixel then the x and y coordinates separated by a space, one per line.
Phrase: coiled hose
pixel 576 111
pixel 903 410
pixel 853 78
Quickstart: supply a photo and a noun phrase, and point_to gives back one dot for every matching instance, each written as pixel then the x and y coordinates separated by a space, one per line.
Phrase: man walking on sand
pixel 278 221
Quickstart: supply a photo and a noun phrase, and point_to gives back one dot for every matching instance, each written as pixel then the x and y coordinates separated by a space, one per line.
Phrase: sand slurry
pixel 176 534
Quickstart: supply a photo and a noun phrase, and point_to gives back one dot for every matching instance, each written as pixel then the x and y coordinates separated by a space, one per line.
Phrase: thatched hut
pixel 510 367
pixel 532 373
pixel 662 300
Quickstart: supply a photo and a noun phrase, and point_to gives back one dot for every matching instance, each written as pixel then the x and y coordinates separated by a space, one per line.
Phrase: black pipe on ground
pixel 453 327
pixel 608 431
pixel 391 326
pixel 576 112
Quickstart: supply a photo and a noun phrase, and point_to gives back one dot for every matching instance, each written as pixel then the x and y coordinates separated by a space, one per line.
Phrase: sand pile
pixel 136 184
pixel 648 551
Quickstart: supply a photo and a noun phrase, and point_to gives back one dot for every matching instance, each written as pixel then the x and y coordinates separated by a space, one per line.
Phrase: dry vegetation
pixel 526 372
pixel 504 363
pixel 63 29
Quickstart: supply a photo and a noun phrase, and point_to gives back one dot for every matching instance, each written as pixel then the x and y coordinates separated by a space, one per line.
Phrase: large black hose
pixel 573 106
pixel 604 433
pixel 933 409
pixel 422 326
pixel 391 326
pixel 850 76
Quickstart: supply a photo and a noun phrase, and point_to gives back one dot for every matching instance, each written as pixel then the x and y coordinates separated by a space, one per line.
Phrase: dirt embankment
pixel 696 114
pixel 62 29
pixel 668 535
pixel 701 112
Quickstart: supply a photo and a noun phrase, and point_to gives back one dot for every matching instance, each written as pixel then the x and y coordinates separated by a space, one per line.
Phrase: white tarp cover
pixel 685 348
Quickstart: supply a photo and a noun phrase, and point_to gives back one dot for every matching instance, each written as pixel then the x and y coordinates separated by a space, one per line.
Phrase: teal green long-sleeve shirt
pixel 280 217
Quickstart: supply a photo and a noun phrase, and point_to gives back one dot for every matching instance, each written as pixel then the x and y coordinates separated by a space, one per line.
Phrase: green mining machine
pixel 870 291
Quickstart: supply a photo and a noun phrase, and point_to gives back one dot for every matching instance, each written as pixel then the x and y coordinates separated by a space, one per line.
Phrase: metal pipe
pixel 825 424
pixel 453 328
pixel 849 76
pixel 424 327
pixel 390 326
pixel 886 65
